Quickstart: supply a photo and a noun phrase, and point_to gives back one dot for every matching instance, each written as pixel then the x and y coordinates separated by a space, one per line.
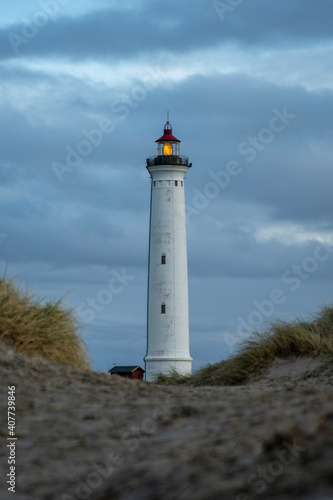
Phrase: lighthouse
pixel 167 310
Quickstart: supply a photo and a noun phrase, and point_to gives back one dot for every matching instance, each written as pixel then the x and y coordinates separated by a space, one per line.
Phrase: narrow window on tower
pixel 162 308
pixel 176 183
pixel 181 183
pixel 163 258
pixel 154 183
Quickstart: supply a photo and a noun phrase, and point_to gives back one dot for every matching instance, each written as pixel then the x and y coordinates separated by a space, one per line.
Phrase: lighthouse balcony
pixel 168 160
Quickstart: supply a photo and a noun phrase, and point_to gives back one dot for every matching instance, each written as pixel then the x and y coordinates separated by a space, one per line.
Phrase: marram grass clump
pixel 47 330
pixel 281 340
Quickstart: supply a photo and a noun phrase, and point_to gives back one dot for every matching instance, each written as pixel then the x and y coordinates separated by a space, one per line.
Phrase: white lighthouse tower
pixel 167 322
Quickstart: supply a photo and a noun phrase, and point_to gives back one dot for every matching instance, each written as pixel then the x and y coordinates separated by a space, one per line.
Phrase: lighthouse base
pixel 166 366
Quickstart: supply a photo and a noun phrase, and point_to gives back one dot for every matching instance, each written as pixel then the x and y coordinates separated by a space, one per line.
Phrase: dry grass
pixel 46 330
pixel 282 340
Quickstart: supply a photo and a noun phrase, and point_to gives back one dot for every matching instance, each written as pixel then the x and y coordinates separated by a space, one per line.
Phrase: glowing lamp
pixel 167 148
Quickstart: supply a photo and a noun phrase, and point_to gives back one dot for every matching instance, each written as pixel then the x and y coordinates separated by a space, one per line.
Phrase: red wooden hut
pixel 133 372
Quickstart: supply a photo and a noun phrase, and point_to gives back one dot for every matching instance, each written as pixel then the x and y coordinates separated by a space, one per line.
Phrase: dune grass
pixel 281 340
pixel 47 330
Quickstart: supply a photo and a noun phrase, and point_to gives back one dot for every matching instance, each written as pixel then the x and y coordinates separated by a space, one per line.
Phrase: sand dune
pixel 84 435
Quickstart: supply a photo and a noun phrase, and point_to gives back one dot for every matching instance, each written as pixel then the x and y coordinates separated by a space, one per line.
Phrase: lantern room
pixel 168 150
pixel 168 144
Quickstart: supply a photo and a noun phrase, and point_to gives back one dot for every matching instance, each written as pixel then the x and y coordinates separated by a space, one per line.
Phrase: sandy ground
pixel 90 436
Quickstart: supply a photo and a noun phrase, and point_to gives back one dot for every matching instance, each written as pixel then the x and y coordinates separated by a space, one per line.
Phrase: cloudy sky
pixel 84 90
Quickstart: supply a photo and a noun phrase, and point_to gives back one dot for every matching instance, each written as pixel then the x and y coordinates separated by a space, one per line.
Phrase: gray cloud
pixel 175 27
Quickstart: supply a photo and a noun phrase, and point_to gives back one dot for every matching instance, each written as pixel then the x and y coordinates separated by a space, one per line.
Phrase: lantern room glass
pixel 167 148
